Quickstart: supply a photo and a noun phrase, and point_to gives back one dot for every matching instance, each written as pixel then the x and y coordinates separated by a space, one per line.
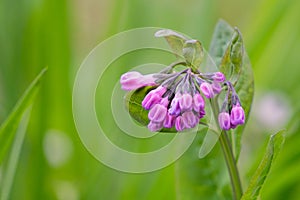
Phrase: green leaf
pixel 227 51
pixel 9 127
pixel 220 40
pixel 245 90
pixel 175 40
pixel 193 53
pixel 133 103
pixel 275 143
pixel 232 60
pixel 12 163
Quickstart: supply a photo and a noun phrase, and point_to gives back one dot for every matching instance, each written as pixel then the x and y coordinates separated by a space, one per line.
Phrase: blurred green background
pixel 59 34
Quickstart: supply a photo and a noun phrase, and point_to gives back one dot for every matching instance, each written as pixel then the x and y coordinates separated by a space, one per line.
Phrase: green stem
pixel 229 157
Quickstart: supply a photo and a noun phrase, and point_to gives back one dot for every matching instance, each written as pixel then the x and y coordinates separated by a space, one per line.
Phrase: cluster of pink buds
pixel 232 114
pixel 177 98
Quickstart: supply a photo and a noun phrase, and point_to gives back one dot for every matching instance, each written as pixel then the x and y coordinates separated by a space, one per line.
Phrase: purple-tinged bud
pixel 202 113
pixel 189 119
pixel 216 87
pixel 135 80
pixel 207 90
pixel 199 102
pixel 170 121
pixel 153 97
pixel 179 124
pixel 164 101
pixel 186 102
pixel 157 113
pixel 237 115
pixel 174 107
pixel 153 126
pixel 218 77
pixel 224 121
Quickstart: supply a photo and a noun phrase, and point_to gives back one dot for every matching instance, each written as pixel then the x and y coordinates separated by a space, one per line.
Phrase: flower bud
pixel 153 97
pixel 179 124
pixel 174 108
pixel 218 77
pixel 135 80
pixel 157 113
pixel 237 115
pixel 224 121
pixel 169 121
pixel 153 126
pixel 199 102
pixel 216 87
pixel 189 119
pixel 207 90
pixel 186 102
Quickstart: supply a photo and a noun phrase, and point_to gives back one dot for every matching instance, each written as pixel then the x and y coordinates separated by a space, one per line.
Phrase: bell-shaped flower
pixel 134 80
pixel 224 121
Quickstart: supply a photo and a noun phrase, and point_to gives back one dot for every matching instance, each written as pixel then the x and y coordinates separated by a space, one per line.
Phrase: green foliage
pixel 260 175
pixel 60 34
pixel 175 40
pixel 9 127
pixel 245 89
pixel 220 40
pixel 12 133
pixel 205 178
pixel 133 102
pixel 193 53
pixel 227 50
pixel 232 61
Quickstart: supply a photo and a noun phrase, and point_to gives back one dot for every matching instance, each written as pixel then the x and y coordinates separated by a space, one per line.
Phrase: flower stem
pixel 228 155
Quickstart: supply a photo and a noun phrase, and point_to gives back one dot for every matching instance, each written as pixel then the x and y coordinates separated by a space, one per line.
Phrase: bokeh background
pixel 59 34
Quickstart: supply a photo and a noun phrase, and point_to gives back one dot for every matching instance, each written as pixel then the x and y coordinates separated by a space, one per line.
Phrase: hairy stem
pixel 229 157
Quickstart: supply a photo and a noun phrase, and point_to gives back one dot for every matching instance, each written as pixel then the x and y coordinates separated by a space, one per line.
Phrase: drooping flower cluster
pixel 232 114
pixel 177 101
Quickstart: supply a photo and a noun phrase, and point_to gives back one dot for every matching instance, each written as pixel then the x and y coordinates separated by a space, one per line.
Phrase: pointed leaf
pixel 133 102
pixel 245 89
pixel 227 51
pixel 14 155
pixel 232 60
pixel 193 53
pixel 175 40
pixel 275 143
pixel 220 40
pixel 8 128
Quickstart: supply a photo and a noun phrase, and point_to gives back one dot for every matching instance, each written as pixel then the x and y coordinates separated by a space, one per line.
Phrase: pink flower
pixel 174 108
pixel 237 115
pixel 169 121
pixel 153 126
pixel 134 80
pixel 199 102
pixel 179 124
pixel 186 102
pixel 224 121
pixel 207 90
pixel 157 113
pixel 153 97
pixel 218 77
pixel 190 120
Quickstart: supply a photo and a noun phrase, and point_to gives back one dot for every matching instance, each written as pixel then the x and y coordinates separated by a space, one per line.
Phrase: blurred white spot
pixel 272 110
pixel 66 190
pixel 58 148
